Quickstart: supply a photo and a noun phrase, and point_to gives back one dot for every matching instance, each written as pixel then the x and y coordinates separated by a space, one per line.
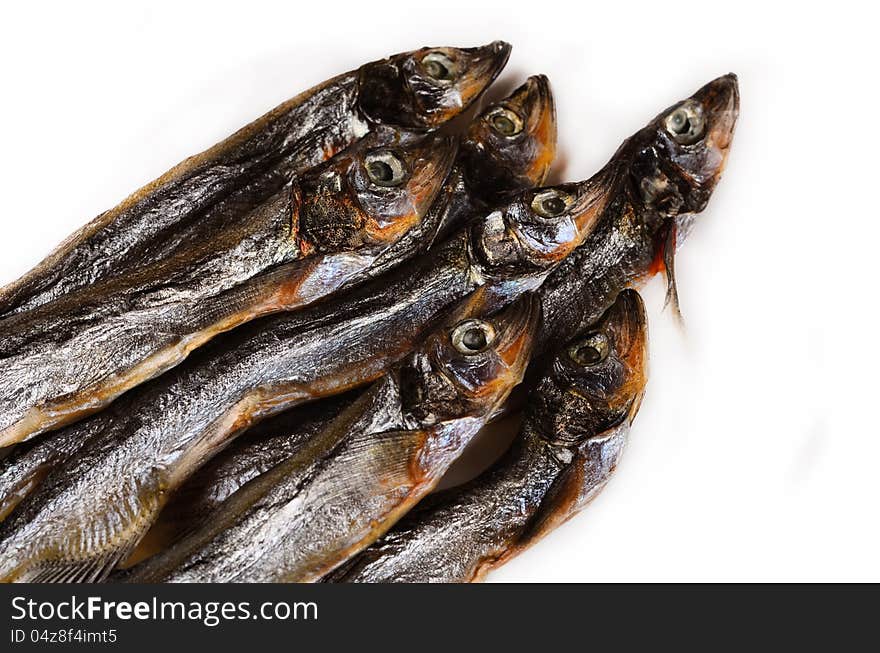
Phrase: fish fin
pixel 55 572
pixel 669 272
pixel 409 471
pixel 94 570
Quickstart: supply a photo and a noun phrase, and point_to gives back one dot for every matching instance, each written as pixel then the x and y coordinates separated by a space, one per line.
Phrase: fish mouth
pixel 627 320
pixel 516 326
pixel 396 91
pixel 480 67
pixel 720 100
pixel 627 323
pixel 486 63
pixel 498 162
pixel 512 235
pixel 534 100
pixel 699 164
pixel 633 409
pixel 429 163
pixel 590 199
pixel 375 217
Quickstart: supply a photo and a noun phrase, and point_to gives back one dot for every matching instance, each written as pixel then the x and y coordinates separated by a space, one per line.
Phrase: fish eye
pixel 438 67
pixel 686 124
pixel 551 203
pixel 504 121
pixel 472 337
pixel 590 351
pixel 384 168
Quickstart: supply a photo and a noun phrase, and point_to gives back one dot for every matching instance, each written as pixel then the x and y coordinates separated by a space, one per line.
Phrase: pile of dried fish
pixel 259 366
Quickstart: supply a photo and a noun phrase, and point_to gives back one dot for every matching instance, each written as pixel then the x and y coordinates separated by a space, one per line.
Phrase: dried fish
pixel 416 90
pixel 509 146
pixel 581 245
pixel 93 509
pixel 574 430
pixel 661 177
pixel 350 483
pixel 71 357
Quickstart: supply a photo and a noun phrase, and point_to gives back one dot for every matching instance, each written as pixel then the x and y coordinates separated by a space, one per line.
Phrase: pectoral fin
pixel 669 272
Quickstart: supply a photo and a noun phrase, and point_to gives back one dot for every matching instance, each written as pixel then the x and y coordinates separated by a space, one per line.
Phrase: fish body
pixel 519 157
pixel 348 484
pixel 257 451
pixel 144 445
pixel 264 368
pixel 652 183
pixel 156 436
pixel 574 431
pixel 71 357
pixel 189 204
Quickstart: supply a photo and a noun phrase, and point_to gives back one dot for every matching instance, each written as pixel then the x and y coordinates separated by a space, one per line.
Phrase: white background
pixel 756 451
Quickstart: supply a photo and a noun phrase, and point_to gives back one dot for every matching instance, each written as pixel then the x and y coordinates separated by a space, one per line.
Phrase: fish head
pixel 424 88
pixel 597 379
pixel 512 143
pixel 469 364
pixel 682 153
pixel 372 193
pixel 538 228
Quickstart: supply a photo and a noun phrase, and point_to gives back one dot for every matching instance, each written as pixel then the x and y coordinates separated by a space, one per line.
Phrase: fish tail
pixel 93 570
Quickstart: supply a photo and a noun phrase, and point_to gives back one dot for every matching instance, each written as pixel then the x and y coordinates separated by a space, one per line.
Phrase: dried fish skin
pixel 253 453
pixel 159 434
pixel 519 158
pixel 254 163
pixel 574 430
pixel 171 426
pixel 352 481
pixel 69 358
